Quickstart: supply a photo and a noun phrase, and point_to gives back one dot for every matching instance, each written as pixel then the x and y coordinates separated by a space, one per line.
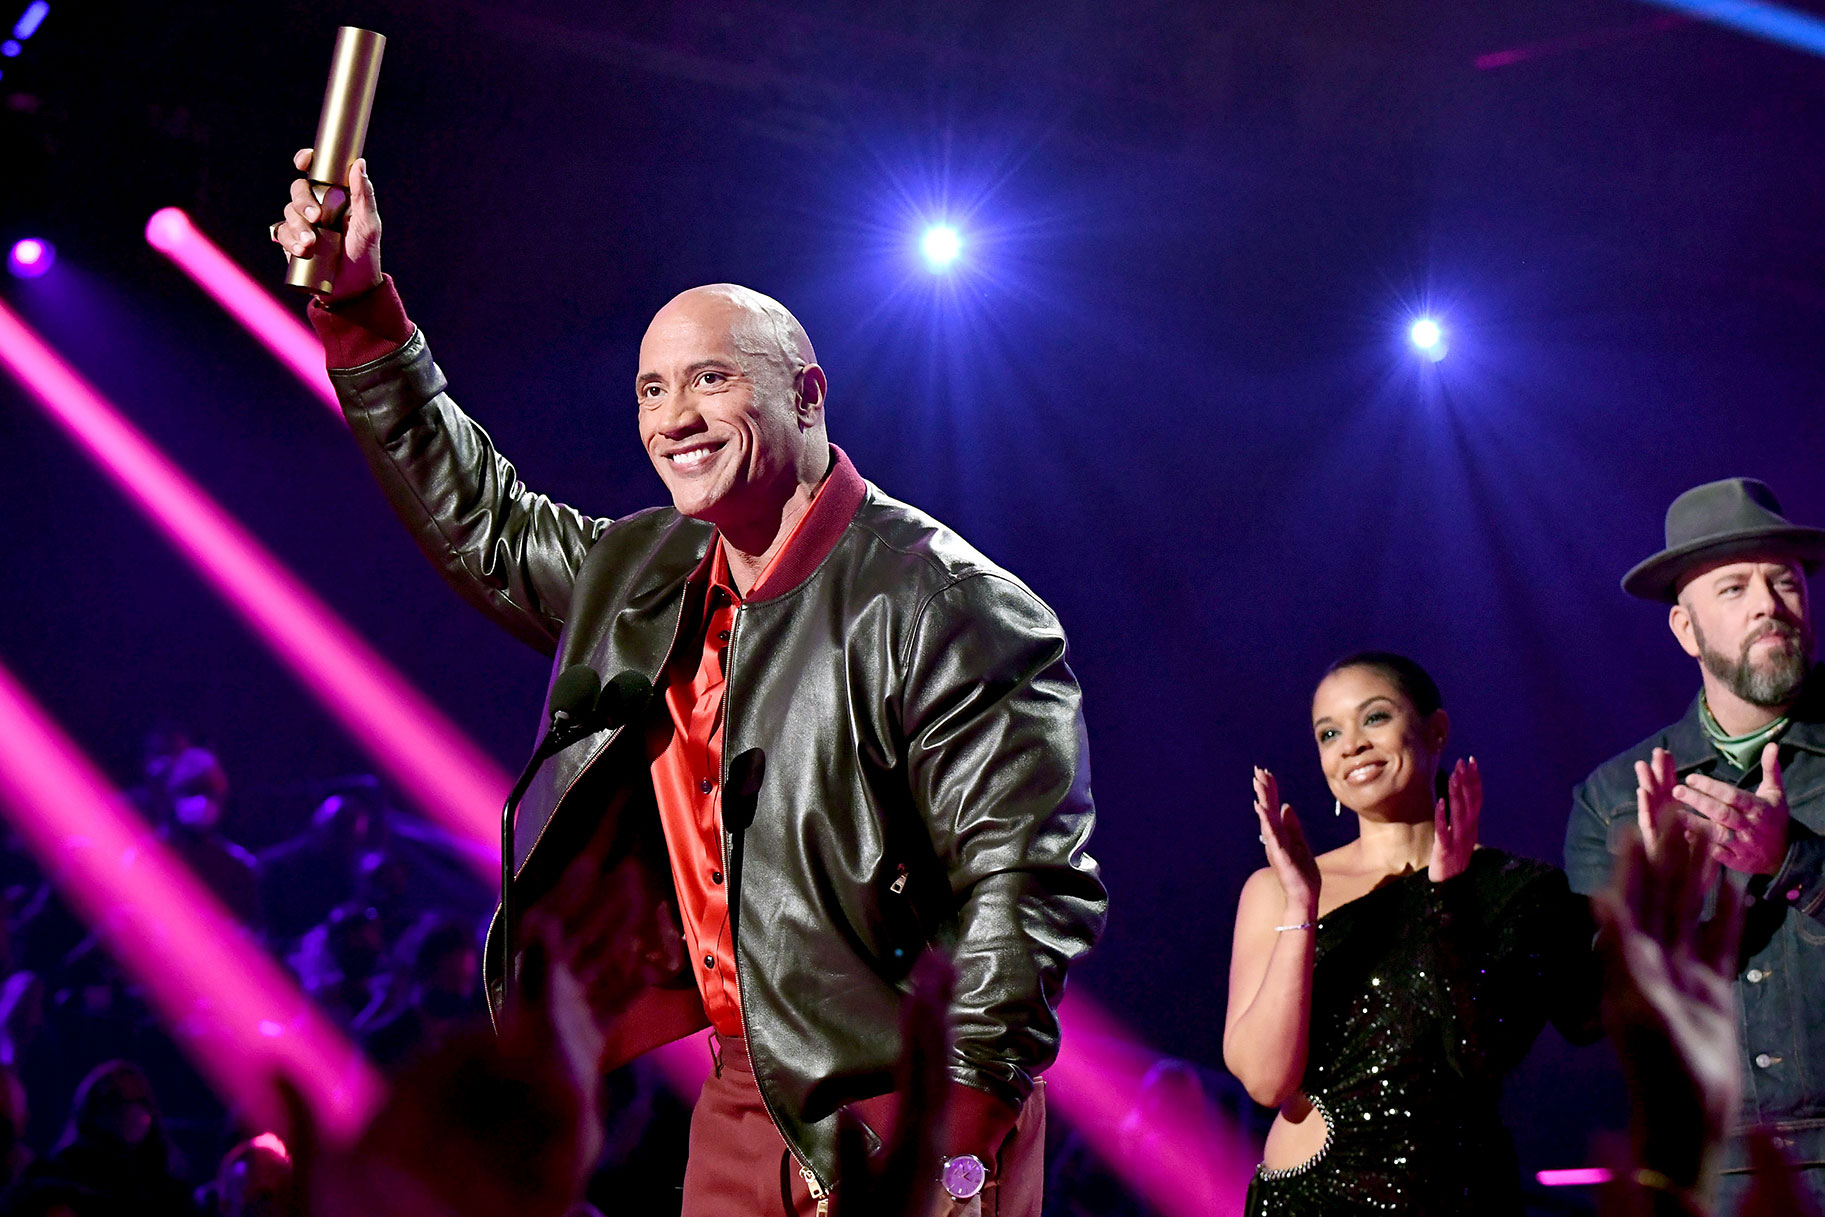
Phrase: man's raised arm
pixel 512 553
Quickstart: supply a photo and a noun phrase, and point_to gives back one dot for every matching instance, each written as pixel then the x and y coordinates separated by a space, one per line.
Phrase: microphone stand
pixel 563 733
pixel 596 706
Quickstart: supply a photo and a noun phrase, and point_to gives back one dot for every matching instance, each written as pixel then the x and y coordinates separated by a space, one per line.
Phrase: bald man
pixel 864 743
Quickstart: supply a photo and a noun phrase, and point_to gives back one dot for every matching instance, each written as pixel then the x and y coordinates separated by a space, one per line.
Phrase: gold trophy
pixel 342 129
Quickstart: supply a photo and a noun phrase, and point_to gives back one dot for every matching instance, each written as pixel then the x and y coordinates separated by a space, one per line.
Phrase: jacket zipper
pixel 817 1191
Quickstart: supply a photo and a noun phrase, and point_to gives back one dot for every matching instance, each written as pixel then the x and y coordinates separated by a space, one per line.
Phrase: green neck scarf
pixel 1743 751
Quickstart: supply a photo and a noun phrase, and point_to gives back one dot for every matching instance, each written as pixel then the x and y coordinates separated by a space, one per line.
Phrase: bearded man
pixel 864 743
pixel 1744 769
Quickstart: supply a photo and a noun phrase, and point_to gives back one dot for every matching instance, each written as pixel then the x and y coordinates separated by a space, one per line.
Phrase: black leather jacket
pixel 904 754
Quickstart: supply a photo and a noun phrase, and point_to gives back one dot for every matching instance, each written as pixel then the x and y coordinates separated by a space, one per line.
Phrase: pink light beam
pixel 171 232
pixel 1172 1147
pixel 440 769
pixel 240 1019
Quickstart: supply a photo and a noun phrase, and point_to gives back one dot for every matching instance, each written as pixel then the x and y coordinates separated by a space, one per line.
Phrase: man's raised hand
pixel 359 267
pixel 1657 810
pixel 1747 830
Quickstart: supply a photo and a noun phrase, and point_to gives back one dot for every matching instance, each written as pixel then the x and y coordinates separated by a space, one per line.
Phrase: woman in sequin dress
pixel 1380 992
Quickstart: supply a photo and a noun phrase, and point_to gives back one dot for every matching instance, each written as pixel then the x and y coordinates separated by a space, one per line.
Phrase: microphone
pixel 342 129
pixel 622 700
pixel 573 702
pixel 580 705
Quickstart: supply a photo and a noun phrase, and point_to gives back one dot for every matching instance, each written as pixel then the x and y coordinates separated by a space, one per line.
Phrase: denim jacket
pixel 1780 987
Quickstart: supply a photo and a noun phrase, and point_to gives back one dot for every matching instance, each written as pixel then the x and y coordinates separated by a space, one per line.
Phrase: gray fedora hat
pixel 1719 521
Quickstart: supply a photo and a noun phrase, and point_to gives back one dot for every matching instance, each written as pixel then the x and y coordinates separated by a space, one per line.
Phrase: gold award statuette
pixel 342 129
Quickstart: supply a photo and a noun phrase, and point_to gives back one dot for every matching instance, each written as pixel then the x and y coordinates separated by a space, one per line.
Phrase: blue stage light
pixel 9 48
pixel 1775 22
pixel 1429 337
pixel 30 258
pixel 941 246
pixel 33 17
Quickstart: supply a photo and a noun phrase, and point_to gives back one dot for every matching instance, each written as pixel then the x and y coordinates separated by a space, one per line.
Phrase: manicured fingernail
pixel 310 213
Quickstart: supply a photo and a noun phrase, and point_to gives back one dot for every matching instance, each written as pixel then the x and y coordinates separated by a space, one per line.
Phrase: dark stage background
pixel 1168 384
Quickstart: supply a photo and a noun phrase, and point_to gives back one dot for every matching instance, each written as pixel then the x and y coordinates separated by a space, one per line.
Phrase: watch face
pixel 964 1176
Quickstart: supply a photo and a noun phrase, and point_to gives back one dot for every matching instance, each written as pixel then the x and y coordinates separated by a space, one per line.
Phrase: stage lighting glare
pixel 941 246
pixel 1429 337
pixel 168 228
pixel 212 984
pixel 408 735
pixel 171 232
pixel 10 49
pixel 32 18
pixel 30 258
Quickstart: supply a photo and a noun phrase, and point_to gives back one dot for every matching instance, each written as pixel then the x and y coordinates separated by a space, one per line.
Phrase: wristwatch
pixel 963 1177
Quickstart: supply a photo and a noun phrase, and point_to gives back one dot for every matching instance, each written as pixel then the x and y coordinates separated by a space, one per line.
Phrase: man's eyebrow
pixel 718 362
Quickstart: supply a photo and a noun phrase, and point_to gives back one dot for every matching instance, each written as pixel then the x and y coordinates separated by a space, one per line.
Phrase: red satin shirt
pixel 685 749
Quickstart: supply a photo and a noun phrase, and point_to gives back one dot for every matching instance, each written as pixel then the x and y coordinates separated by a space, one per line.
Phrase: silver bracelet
pixel 1303 925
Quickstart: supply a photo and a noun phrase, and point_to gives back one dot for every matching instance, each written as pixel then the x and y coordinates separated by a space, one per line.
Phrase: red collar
pixel 837 501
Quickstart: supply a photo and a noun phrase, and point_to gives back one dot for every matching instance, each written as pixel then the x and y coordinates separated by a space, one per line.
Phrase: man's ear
pixel 810 386
pixel 1679 620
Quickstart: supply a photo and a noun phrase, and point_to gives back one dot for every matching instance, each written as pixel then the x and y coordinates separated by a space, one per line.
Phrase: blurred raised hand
pixel 488 1126
pixel 1670 1007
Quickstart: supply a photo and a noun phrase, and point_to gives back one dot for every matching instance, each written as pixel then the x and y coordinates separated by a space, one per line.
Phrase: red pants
pixel 740 1166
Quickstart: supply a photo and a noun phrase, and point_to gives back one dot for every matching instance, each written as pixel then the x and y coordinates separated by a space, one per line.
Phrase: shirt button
pixel 1763 1060
pixel 722 635
pixel 709 961
pixel 706 786
pixel 1754 976
pixel 715 876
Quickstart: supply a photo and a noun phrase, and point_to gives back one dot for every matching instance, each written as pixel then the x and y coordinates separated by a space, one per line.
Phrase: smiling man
pixel 864 743
pixel 1744 770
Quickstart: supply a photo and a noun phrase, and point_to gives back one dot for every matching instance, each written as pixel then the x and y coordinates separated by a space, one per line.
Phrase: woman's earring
pixel 1339 808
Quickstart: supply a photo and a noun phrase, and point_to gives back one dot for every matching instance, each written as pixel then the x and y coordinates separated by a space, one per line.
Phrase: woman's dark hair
pixel 1414 682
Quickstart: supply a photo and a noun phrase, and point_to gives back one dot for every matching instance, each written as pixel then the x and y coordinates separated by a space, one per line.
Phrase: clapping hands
pixel 1743 830
pixel 1454 822
pixel 1287 852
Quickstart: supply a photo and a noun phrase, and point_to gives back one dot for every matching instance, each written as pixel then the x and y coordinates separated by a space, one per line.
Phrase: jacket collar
pixel 1691 747
pixel 837 502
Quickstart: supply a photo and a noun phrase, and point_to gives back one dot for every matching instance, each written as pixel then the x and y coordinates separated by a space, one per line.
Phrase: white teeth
pixel 694 458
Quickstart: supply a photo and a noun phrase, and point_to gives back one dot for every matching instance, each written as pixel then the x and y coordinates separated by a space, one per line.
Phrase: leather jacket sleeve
pixel 512 553
pixel 999 768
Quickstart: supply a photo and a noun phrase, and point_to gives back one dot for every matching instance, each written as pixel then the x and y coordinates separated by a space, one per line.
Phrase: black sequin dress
pixel 1424 996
